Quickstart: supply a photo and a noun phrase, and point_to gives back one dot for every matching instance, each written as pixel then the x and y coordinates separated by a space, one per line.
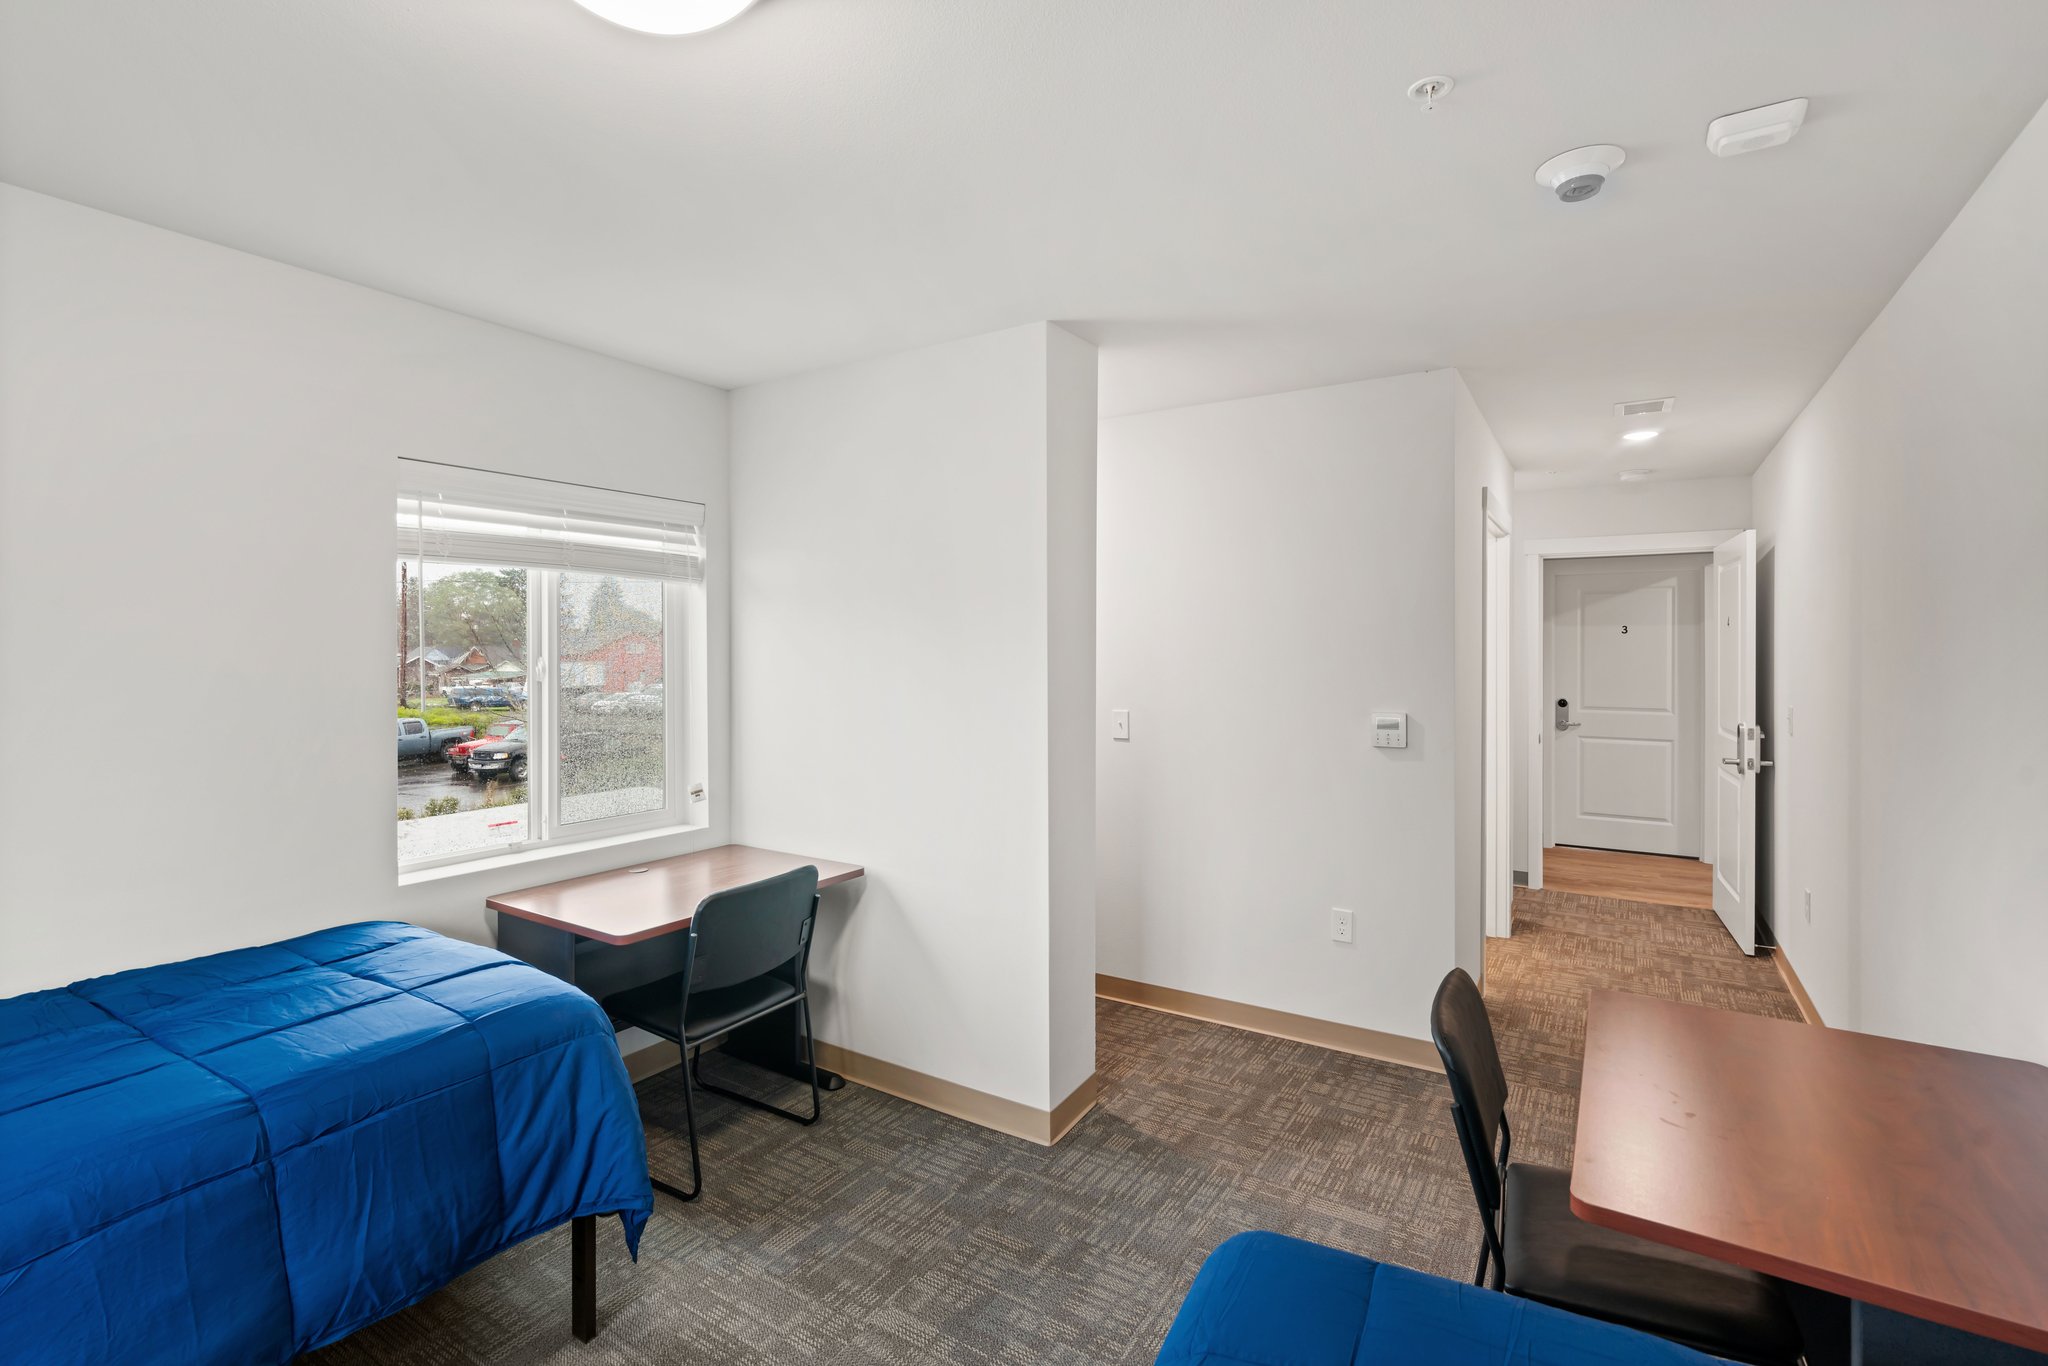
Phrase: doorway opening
pixel 1639 752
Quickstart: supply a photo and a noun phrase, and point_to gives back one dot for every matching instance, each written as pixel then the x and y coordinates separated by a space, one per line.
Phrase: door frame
pixel 1534 553
pixel 1496 825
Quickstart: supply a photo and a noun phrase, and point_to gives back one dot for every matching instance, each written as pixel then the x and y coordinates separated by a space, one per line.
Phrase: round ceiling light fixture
pixel 668 18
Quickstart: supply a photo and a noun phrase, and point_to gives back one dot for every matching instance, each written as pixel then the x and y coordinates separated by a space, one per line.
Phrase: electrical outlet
pixel 1340 925
pixel 1809 905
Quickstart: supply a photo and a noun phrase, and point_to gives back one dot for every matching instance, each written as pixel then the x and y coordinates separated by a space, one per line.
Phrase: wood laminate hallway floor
pixel 891 1234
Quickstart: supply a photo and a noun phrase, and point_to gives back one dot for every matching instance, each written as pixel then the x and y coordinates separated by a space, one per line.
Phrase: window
pixel 550 679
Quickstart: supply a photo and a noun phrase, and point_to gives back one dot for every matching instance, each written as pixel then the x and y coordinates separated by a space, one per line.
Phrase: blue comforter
pixel 242 1157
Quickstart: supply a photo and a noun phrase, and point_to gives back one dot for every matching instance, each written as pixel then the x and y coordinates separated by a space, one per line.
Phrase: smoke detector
pixel 1579 173
pixel 1752 130
pixel 1645 407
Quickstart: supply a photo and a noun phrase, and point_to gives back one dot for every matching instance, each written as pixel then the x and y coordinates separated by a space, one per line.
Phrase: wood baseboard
pixel 1281 1024
pixel 1807 1010
pixel 656 1057
pixel 1044 1127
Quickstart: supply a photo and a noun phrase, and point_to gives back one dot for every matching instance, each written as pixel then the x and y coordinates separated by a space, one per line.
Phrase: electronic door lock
pixel 1748 740
pixel 1564 711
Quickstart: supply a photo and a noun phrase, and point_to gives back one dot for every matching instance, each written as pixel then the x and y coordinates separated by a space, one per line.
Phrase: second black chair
pixel 747 956
pixel 1538 1249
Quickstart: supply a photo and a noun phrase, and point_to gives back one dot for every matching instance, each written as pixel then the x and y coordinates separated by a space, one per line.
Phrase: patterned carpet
pixel 890 1234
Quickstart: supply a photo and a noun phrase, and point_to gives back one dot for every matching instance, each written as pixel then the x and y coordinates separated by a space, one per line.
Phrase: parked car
pixel 490 699
pixel 458 755
pixel 417 741
pixel 650 702
pixel 499 759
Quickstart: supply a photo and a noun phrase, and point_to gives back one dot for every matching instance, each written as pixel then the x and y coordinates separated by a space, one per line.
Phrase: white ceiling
pixel 1231 196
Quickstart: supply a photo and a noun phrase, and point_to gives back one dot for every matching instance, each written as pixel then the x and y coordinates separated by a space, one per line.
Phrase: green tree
pixel 611 616
pixel 477 607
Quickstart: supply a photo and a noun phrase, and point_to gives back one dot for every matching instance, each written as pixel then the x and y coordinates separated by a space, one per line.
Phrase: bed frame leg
pixel 583 1277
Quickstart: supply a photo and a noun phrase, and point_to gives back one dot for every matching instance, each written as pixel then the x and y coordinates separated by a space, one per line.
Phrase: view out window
pixel 550 674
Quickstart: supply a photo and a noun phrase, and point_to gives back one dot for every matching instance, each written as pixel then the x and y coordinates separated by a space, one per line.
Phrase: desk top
pixel 1893 1173
pixel 643 900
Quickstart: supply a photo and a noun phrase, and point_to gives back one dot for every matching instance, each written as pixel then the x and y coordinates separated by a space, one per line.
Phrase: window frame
pixel 683 804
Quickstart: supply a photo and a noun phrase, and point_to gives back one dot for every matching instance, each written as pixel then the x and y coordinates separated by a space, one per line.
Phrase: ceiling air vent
pixel 1645 407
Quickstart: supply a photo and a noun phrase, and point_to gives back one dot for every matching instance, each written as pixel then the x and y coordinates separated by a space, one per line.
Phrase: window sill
pixel 546 853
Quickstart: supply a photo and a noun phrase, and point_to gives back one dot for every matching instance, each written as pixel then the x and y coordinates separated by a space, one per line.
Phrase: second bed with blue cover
pixel 242 1157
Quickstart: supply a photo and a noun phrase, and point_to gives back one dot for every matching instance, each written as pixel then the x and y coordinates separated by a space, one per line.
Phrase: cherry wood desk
pixel 614 930
pixel 1896 1174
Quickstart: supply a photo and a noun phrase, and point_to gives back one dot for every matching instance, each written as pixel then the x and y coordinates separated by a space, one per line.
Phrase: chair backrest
pixel 1479 1088
pixel 752 931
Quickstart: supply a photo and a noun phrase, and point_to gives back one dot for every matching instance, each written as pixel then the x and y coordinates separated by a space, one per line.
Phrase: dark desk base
pixel 1842 1332
pixel 773 1044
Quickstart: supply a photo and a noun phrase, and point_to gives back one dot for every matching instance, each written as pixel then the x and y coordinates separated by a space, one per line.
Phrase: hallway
pixel 1657 878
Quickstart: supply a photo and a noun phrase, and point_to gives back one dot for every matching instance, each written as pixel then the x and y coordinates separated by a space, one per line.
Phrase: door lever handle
pixel 1567 725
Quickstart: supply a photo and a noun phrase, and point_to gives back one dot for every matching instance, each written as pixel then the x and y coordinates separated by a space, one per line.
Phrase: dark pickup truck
pixel 504 757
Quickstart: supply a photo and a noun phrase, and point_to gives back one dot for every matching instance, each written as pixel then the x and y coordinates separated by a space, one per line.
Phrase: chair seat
pixel 1557 1258
pixel 657 1007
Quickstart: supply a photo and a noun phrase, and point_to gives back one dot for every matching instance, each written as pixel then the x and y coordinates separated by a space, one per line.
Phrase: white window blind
pixel 451 513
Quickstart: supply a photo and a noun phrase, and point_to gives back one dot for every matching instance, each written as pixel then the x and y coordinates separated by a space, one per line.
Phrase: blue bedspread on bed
pixel 242 1157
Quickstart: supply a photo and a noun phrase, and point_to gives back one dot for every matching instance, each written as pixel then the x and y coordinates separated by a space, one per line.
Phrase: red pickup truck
pixel 458 755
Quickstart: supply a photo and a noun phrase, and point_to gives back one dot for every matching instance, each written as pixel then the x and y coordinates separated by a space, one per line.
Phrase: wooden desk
pixel 1896 1174
pixel 618 929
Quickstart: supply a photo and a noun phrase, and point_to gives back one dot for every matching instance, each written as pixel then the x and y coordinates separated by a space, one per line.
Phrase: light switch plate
pixel 1120 724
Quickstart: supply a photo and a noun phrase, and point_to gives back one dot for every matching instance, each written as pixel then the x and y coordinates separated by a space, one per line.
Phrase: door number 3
pixel 1624 630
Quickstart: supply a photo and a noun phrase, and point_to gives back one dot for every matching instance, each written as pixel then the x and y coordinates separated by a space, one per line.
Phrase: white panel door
pixel 1625 671
pixel 1734 740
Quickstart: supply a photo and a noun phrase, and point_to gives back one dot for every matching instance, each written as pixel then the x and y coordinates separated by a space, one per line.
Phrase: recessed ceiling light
pixel 668 18
pixel 1642 434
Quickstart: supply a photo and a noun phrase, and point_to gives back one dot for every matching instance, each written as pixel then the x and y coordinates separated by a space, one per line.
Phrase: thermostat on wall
pixel 1390 730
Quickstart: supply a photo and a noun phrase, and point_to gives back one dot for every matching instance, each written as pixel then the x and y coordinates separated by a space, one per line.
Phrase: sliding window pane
pixel 614 704
pixel 462 713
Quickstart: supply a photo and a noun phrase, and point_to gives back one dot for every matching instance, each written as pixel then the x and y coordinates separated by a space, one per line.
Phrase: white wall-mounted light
pixel 1640 435
pixel 668 17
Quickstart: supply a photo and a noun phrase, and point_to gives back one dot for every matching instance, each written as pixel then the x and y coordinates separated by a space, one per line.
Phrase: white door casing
pixel 1625 656
pixel 1734 742
pixel 1498 794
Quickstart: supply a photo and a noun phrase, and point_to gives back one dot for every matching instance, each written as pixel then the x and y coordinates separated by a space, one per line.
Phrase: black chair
pixel 747 956
pixel 1538 1249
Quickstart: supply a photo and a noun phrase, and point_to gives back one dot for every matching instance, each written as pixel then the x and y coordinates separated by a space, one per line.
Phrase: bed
pixel 243 1157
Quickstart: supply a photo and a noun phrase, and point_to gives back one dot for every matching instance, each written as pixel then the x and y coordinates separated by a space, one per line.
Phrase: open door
pixel 1734 743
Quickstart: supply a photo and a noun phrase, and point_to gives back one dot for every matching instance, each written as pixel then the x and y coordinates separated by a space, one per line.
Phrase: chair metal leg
pixel 696 1166
pixel 1485 1255
pixel 811 1061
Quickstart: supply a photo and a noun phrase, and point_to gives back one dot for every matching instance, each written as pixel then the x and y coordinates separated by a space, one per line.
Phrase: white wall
pixel 1273 570
pixel 914 647
pixel 1601 510
pixel 196 476
pixel 1901 518
pixel 1478 465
